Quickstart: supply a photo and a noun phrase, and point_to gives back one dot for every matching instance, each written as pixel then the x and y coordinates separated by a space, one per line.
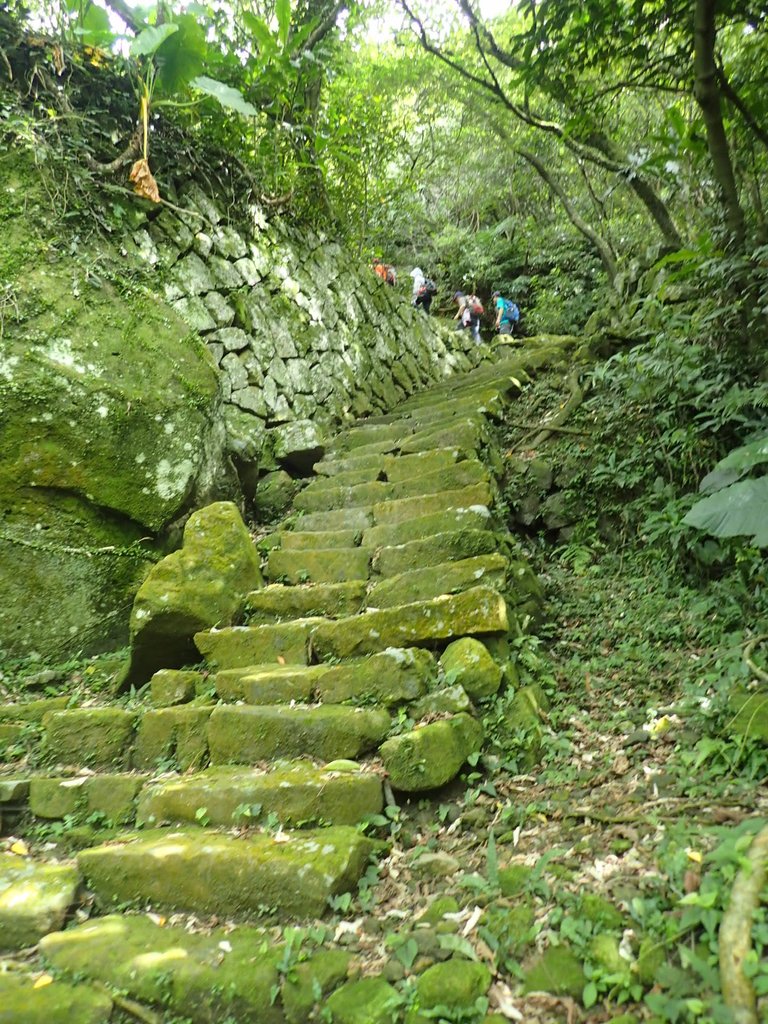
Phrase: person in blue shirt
pixel 507 314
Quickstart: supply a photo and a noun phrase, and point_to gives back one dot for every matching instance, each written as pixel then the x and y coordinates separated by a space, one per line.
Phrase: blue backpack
pixel 511 312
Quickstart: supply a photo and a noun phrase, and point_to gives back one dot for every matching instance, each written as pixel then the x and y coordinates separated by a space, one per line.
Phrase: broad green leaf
pixel 740 510
pixel 283 12
pixel 94 28
pixel 228 97
pixel 589 995
pixel 149 40
pixel 260 32
pixel 182 57
pixel 735 465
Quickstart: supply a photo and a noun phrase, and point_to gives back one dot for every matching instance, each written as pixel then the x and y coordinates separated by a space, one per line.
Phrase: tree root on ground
pixel 755 669
pixel 575 399
pixel 734 943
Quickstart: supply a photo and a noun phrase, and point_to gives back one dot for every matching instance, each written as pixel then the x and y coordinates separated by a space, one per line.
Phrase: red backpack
pixel 475 305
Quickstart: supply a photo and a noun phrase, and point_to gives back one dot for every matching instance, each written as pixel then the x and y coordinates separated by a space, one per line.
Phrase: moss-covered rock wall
pixel 152 364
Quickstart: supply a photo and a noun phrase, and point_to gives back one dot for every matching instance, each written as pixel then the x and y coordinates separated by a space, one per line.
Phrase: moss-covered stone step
pixel 199 871
pixel 172 686
pixel 208 977
pixel 392 677
pixel 364 436
pixel 250 734
pixel 333 465
pixel 470 434
pixel 430 551
pixel 446 578
pixel 111 796
pixel 33 710
pixel 406 467
pixel 431 755
pixel 330 565
pixel 172 736
pixel 476 517
pixel 24 1001
pixel 269 684
pixel 93 737
pixel 34 899
pixel 320 497
pixel 279 602
pixel 241 646
pixel 398 511
pixel 306 540
pixel 337 519
pixel 478 611
pixel 296 793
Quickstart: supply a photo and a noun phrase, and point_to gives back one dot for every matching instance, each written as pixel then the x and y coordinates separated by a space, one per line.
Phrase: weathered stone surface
pixel 248 735
pixel 34 899
pixel 95 737
pixel 210 873
pixel 298 444
pixel 406 467
pixel 476 517
pixel 273 494
pixel 455 985
pixel 14 791
pixel 317 599
pixel 468 663
pixel 201 585
pixel 431 755
pixel 326 498
pixel 477 611
pixel 442 547
pixel 468 435
pixel 330 565
pixel 331 467
pixel 393 676
pixel 297 793
pixel 269 684
pixel 364 436
pixel 410 508
pixel 449 578
pixel 368 1001
pixel 348 478
pixel 241 646
pixel 170 686
pixel 309 983
pixel 21 1002
pixel 114 796
pixel 172 735
pixel 319 540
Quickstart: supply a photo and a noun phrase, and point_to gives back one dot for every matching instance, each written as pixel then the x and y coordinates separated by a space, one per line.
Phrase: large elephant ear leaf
pixel 149 40
pixel 735 465
pixel 228 97
pixel 183 56
pixel 740 510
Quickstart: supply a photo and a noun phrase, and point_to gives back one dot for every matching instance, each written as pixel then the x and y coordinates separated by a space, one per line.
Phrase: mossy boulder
pixel 110 425
pixel 22 998
pixel 468 663
pixel 203 584
pixel 273 494
pixel 558 971
pixel 34 899
pixel 432 755
pixel 447 700
pixel 455 985
pixel 169 687
pixel 368 1001
pixel 309 982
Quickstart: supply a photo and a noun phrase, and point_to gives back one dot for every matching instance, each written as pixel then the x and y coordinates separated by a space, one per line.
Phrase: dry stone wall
pixel 302 331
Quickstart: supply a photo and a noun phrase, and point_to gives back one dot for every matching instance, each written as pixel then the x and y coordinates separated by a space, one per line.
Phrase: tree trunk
pixel 707 95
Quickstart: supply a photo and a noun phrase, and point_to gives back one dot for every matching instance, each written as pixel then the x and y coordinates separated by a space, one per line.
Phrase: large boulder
pixel 109 425
pixel 203 584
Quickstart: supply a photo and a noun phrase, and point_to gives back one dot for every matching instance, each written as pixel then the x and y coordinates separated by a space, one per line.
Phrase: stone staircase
pixel 238 789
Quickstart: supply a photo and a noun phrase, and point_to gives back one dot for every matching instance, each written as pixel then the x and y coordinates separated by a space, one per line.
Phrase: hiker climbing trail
pixel 359 651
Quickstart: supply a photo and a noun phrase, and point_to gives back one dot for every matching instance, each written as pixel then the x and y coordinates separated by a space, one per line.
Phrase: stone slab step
pixel 305 540
pixel 243 734
pixel 93 737
pixel 364 435
pixel 428 504
pixel 435 550
pixel 445 578
pixel 394 676
pixel 337 519
pixel 33 710
pixel 204 977
pixel 269 684
pixel 297 793
pixel 241 646
pixel 112 796
pixel 452 477
pixel 206 872
pixel 172 736
pixel 478 611
pixel 329 565
pixel 476 517
pixel 337 464
pixel 311 600
pixel 34 899
pixel 469 434
pixel 24 1001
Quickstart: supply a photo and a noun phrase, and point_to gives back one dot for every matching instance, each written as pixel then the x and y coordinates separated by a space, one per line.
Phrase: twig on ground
pixel 747 655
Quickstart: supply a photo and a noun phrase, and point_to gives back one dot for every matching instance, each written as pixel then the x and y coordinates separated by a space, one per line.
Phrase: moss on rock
pixel 393 676
pixel 429 757
pixel 368 1001
pixel 34 899
pixel 93 737
pixel 329 565
pixel 22 1000
pixel 468 663
pixel 331 600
